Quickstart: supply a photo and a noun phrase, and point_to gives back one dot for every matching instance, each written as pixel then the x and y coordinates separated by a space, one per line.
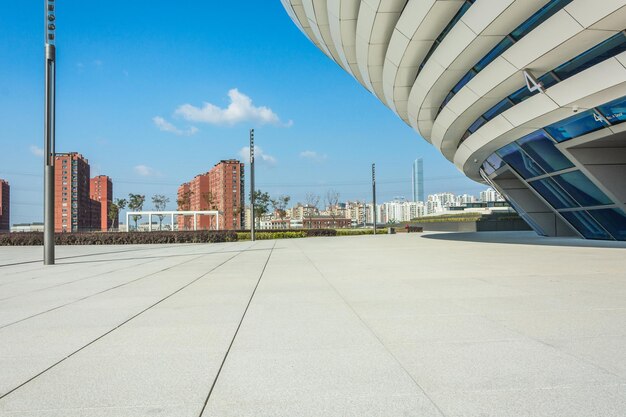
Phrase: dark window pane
pixel 493 54
pixel 446 30
pixel 575 126
pixel 499 108
pixel 613 220
pixel 582 189
pixel 586 225
pixel 605 50
pixel 476 125
pixel 615 111
pixel 488 169
pixel 538 18
pixel 519 161
pixel 553 194
pixel 495 161
pixel 544 152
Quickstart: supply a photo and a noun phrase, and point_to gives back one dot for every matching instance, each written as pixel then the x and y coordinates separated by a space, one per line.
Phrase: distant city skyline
pixel 154 95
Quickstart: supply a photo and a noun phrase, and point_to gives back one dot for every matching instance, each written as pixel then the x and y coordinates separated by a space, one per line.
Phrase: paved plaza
pixel 475 325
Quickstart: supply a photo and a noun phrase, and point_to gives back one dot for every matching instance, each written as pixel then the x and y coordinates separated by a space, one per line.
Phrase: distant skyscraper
pixel 417 180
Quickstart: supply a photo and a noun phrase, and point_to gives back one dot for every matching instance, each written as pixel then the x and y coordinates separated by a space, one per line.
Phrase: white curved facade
pixel 535 87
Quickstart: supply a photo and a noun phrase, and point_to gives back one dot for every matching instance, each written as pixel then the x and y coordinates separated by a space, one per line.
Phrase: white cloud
pixel 244 153
pixel 240 110
pixel 145 171
pixel 166 126
pixel 313 156
pixel 36 150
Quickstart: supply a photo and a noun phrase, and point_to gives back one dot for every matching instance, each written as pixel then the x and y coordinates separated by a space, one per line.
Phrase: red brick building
pixel 74 209
pixel 222 189
pixel 5 206
pixel 101 192
pixel 319 222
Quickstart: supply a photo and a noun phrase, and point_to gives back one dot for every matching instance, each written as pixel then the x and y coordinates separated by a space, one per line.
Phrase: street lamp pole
pixel 253 218
pixel 374 193
pixel 49 132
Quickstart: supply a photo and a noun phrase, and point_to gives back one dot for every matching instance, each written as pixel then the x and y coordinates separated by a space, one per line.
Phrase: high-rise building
pixel 74 209
pixel 5 206
pixel 101 192
pixel 417 180
pixel 222 189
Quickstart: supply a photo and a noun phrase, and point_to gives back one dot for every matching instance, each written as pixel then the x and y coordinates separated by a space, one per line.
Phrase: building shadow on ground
pixel 523 238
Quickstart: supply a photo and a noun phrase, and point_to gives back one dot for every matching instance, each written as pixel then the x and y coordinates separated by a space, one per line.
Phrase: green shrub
pixel 132 238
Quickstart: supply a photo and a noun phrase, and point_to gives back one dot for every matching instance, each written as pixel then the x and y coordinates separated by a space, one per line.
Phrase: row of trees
pixel 135 202
pixel 264 204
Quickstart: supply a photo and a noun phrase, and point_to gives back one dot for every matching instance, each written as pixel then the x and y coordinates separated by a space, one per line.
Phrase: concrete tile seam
pixel 196 256
pixel 111 271
pixel 120 325
pixel 92 254
pixel 389 352
pixel 243 316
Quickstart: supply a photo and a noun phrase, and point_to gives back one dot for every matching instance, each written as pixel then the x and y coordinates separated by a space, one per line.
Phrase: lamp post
pixel 374 193
pixel 253 219
pixel 49 131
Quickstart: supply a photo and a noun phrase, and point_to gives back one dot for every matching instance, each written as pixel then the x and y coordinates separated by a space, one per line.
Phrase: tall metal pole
pixel 253 219
pixel 374 193
pixel 49 133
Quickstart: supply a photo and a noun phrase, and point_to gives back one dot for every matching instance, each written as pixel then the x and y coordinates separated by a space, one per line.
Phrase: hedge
pixel 132 238
pixel 148 238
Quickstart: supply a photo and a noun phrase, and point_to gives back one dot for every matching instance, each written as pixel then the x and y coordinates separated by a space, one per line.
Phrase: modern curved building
pixel 526 95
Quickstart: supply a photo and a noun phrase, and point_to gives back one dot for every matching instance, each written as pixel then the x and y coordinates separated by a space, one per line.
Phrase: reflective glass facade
pixel 537 159
pixel 605 50
pixel 522 30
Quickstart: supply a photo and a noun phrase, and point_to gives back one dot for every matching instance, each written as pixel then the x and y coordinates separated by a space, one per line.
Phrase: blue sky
pixel 134 80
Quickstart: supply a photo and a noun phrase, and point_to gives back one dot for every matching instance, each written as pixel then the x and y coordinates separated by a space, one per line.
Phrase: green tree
pixel 135 203
pixel 115 207
pixel 159 202
pixel 280 204
pixel 262 203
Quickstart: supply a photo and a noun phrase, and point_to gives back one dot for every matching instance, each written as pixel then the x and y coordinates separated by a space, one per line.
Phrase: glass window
pixel 586 225
pixel 543 151
pixel 615 111
pixel 495 161
pixel 476 125
pixel 538 18
pixel 488 169
pixel 613 220
pixel 605 50
pixel 575 126
pixel 520 161
pixel 582 189
pixel 499 108
pixel 553 194
pixel 464 8
pixel 498 50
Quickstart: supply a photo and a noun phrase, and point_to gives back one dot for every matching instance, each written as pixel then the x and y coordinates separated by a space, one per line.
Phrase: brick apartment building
pixel 324 222
pixel 101 191
pixel 74 208
pixel 222 189
pixel 5 206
